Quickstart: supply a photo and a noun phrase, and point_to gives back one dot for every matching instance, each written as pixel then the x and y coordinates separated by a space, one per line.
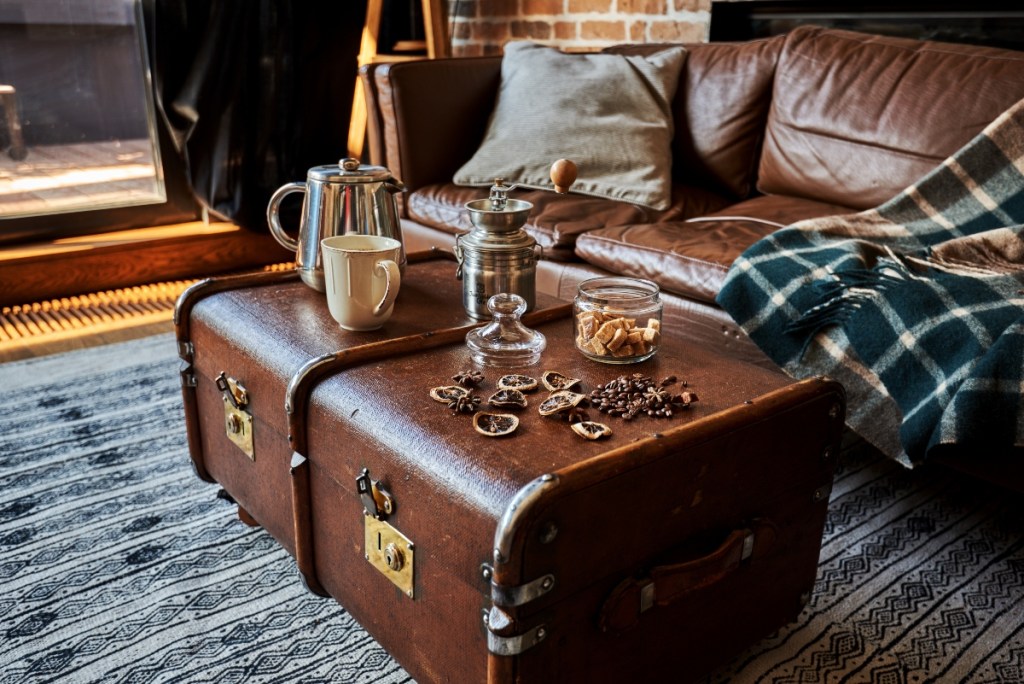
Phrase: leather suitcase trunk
pixel 536 557
pixel 258 330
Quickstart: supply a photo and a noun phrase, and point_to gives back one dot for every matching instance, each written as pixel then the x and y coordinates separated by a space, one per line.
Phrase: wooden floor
pixel 119 332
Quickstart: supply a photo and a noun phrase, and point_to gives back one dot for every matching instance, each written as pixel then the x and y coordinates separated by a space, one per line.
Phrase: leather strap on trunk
pixel 665 584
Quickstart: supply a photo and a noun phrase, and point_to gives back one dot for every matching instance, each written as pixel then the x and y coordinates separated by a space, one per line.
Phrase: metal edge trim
pixel 516 512
pixel 514 645
pixel 512 597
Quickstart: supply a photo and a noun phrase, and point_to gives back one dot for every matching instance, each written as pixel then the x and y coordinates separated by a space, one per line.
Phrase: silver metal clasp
pixel 511 597
pixel 500 643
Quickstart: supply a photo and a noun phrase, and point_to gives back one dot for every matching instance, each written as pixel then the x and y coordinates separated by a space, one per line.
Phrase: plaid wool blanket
pixel 916 306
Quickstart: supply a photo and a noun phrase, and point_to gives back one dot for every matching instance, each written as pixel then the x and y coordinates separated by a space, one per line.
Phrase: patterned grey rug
pixel 118 565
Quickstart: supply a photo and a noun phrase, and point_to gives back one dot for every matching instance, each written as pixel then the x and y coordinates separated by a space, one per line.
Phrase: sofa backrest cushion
pixel 724 95
pixel 856 118
pixel 720 111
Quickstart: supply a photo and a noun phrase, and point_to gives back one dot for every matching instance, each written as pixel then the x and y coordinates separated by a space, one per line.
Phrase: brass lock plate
pixel 238 426
pixel 390 552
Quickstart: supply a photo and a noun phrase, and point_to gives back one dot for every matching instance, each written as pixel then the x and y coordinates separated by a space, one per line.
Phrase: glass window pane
pixel 77 125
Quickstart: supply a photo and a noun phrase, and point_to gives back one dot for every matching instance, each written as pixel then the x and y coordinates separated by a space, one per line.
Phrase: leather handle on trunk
pixel 665 584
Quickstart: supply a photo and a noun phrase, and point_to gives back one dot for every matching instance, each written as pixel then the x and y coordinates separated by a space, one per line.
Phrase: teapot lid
pixel 349 170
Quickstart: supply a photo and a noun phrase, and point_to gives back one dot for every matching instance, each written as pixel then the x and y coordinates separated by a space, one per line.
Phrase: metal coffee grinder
pixel 498 256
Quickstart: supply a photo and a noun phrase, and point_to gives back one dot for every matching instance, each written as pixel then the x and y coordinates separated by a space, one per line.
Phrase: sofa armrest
pixel 432 115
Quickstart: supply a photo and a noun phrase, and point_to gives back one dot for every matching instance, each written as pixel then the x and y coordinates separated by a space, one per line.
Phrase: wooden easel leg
pixel 367 51
pixel 435 28
pixel 357 124
pixel 436 31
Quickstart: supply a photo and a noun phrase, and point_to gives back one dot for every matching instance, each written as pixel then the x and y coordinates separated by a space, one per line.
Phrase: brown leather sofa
pixel 812 123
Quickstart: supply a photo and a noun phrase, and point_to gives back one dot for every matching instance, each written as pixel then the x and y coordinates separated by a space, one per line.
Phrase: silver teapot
pixel 340 199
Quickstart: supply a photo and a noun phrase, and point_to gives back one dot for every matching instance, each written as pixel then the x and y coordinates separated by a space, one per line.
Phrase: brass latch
pixel 237 420
pixel 377 501
pixel 387 549
pixel 391 552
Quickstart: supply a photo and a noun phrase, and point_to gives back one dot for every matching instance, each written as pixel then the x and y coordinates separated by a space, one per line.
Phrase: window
pixel 80 149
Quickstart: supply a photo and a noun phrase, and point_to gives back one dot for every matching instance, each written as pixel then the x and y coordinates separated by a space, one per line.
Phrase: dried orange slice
pixel 559 401
pixel 507 398
pixel 495 424
pixel 447 393
pixel 523 383
pixel 588 429
pixel 555 381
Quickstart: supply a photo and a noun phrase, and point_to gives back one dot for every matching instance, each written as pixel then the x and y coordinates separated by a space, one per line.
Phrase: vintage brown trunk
pixel 527 558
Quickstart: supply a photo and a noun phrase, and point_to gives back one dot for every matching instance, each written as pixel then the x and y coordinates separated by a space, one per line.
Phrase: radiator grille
pixel 93 312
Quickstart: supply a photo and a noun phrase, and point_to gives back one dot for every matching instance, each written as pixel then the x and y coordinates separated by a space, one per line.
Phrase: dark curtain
pixel 253 93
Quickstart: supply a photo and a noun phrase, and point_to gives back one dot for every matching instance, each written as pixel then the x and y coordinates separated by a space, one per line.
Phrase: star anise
pixel 576 415
pixel 468 403
pixel 468 378
pixel 633 408
pixel 656 396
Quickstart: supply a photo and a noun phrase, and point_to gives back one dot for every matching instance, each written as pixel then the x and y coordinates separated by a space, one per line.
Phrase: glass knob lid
pixel 505 341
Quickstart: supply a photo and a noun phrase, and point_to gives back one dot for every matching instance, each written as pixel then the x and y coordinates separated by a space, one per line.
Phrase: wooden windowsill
pixel 77 265
pixel 103 241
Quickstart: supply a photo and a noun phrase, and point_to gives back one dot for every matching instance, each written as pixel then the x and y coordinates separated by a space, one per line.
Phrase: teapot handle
pixel 274 218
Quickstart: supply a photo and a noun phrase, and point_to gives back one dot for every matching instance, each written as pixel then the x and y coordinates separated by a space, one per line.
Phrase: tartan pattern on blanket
pixel 916 306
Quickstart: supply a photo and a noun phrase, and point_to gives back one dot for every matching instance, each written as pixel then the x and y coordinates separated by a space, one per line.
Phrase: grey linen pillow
pixel 609 113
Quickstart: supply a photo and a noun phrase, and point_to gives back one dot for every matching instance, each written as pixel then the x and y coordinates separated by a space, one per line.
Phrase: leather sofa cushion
pixel 720 111
pixel 857 118
pixel 692 258
pixel 610 113
pixel 456 94
pixel 556 221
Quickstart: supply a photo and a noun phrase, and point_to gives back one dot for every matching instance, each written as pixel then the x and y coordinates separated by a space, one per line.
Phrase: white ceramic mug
pixel 362 279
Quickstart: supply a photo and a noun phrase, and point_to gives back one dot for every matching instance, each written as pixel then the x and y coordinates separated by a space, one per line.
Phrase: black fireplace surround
pixel 981 22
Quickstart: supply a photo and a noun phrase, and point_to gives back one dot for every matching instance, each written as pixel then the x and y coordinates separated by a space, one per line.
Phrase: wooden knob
pixel 563 175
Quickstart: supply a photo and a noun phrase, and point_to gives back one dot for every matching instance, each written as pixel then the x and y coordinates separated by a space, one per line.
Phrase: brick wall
pixel 481 27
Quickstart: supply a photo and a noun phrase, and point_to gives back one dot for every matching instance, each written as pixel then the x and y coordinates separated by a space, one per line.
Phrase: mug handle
pixel 274 217
pixel 394 281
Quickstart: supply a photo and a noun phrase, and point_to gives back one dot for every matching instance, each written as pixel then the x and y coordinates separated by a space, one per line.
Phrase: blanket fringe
pixel 842 295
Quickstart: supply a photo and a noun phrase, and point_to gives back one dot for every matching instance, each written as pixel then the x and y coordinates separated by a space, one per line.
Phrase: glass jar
pixel 617 320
